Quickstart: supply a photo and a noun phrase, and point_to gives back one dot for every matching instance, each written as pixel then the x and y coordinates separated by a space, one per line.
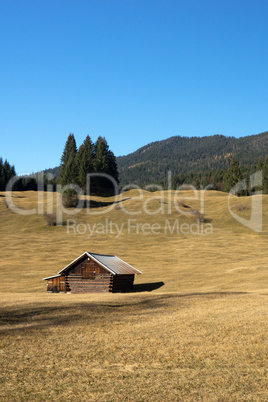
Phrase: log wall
pixel 122 283
pixel 56 285
pixel 78 284
pixel 87 276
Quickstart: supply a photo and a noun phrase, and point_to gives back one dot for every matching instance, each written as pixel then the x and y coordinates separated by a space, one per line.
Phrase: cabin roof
pixel 113 264
pixel 51 277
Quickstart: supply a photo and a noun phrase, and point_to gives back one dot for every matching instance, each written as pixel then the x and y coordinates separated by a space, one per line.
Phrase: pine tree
pixel 232 177
pixel 104 162
pixel 85 161
pixel 6 173
pixel 265 176
pixel 101 150
pixel 9 171
pixel 68 167
pixel 112 166
pixel 259 168
pixel 68 171
pixel 260 164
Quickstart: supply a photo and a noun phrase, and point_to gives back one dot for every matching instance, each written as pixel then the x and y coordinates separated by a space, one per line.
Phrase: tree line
pixel 203 160
pixel 76 164
pixel 234 176
pixel 222 173
pixel 6 173
pixel 228 179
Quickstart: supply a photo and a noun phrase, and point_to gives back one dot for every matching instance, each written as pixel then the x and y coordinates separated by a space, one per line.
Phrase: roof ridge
pixel 104 255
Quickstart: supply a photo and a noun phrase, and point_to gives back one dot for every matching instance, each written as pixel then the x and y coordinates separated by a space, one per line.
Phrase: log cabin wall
pixel 78 284
pixel 122 283
pixel 56 285
pixel 87 276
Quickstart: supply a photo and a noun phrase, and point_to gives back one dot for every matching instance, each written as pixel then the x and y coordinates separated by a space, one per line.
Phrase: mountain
pixel 186 156
pixel 55 172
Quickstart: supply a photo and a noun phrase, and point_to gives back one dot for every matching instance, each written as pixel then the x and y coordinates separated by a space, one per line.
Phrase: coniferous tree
pixel 90 158
pixel 101 150
pixel 112 166
pixel 9 171
pixel 260 164
pixel 248 190
pixel 68 172
pixel 85 161
pixel 6 173
pixel 265 176
pixel 104 162
pixel 259 168
pixel 68 167
pixel 232 177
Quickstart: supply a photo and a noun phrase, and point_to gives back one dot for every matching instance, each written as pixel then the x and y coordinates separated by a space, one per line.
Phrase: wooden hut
pixel 92 272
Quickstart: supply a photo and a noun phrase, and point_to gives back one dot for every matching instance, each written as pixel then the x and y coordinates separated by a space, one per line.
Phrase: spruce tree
pixel 104 162
pixel 259 168
pixel 265 176
pixel 100 160
pixel 260 164
pixel 232 177
pixel 68 167
pixel 68 171
pixel 6 173
pixel 85 161
pixel 112 166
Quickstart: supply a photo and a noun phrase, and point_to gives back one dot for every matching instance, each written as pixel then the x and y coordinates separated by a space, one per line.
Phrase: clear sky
pixel 133 71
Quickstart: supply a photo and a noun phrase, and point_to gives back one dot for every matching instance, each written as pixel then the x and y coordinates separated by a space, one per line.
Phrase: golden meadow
pixel 193 329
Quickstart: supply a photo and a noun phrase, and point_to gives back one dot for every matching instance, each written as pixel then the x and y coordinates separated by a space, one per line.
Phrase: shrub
pixel 242 207
pixel 50 219
pixel 69 199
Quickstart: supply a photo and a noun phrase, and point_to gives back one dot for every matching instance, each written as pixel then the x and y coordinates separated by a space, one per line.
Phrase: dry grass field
pixel 194 328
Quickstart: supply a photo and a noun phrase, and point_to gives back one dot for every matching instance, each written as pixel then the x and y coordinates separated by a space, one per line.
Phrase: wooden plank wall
pixel 56 285
pixel 122 283
pixel 100 283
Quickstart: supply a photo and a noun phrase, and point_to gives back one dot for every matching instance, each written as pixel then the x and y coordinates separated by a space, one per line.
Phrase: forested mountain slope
pixel 189 155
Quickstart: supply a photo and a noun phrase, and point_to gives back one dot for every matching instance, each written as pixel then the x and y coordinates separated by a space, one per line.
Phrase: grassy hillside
pixel 201 334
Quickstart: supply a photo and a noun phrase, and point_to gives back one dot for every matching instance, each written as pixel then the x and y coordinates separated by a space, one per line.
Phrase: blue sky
pixel 134 71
